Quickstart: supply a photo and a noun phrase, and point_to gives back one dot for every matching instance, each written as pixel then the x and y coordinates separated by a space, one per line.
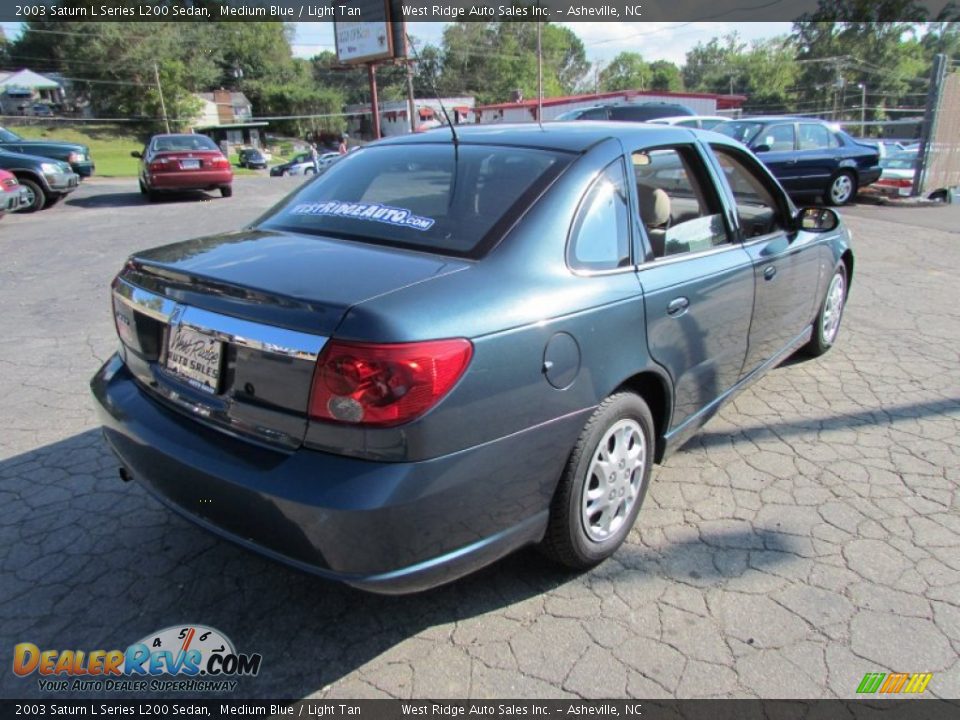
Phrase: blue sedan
pixel 444 349
pixel 808 156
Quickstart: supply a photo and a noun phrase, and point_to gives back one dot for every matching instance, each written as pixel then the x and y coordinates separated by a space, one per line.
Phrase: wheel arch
pixel 847 259
pixel 655 389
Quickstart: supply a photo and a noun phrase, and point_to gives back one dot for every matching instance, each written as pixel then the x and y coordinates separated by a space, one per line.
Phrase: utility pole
pixel 163 106
pixel 411 102
pixel 374 103
pixel 539 76
pixel 863 109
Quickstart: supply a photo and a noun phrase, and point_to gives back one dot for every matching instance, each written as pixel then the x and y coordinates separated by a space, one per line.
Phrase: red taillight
pixel 385 385
pixel 896 182
pixel 221 162
pixel 159 164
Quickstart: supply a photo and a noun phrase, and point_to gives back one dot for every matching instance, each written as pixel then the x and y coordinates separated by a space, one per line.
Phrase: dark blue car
pixel 809 157
pixel 440 351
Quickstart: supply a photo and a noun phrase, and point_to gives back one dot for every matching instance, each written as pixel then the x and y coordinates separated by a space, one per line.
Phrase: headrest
pixel 654 206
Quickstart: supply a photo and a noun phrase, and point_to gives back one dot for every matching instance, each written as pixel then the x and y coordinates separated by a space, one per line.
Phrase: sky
pixel 603 40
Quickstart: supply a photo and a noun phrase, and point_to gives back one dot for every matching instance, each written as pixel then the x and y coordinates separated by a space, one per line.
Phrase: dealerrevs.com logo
pixel 191 658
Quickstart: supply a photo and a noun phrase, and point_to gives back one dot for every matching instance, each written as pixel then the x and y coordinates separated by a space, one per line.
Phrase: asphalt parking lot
pixel 807 536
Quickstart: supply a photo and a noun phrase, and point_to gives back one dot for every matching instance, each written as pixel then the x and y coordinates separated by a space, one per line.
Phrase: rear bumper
pixel 190 180
pixel 384 527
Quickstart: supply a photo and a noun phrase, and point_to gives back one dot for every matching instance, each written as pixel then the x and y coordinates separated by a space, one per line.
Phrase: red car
pixel 13 195
pixel 175 163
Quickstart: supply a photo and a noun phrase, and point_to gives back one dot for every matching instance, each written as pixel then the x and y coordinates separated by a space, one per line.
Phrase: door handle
pixel 769 272
pixel 678 306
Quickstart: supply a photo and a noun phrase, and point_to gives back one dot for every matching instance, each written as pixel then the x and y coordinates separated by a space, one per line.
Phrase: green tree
pixel 876 53
pixel 664 75
pixel 627 71
pixel 492 60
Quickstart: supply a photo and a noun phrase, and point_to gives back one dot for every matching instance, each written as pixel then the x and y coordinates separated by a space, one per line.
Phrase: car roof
pixel 575 137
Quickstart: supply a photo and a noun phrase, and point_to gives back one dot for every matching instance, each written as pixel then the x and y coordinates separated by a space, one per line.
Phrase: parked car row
pixel 807 156
pixel 45 170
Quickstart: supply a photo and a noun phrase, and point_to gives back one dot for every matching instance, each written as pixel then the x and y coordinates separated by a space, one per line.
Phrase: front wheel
pixel 36 198
pixel 843 188
pixel 603 484
pixel 827 325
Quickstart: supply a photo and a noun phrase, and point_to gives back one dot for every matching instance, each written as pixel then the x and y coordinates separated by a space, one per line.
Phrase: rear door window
pixel 813 136
pixel 440 198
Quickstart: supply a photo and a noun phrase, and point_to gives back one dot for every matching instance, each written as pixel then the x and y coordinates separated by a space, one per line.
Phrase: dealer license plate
pixel 195 357
pixel 190 164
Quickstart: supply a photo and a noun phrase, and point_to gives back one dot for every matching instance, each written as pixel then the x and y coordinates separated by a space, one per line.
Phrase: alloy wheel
pixel 614 480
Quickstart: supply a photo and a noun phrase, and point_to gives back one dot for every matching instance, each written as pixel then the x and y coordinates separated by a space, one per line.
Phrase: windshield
pixel 429 197
pixel 166 143
pixel 741 130
pixel 7 136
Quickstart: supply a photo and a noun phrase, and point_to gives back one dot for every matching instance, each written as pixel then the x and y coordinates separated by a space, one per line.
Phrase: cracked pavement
pixel 808 535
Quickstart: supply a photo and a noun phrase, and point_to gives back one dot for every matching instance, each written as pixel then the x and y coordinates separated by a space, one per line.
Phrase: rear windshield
pixel 184 142
pixel 740 130
pixel 427 197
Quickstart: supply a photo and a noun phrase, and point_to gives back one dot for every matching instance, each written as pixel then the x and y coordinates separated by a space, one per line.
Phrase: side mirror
pixel 136 154
pixel 761 148
pixel 817 219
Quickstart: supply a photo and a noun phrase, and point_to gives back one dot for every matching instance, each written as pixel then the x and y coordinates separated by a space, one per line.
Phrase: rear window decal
pixel 365 211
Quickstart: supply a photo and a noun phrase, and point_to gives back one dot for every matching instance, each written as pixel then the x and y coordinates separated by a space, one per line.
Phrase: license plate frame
pixel 190 164
pixel 195 357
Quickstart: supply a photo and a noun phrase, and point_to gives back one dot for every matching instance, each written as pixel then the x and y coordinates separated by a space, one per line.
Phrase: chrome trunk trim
pixel 238 332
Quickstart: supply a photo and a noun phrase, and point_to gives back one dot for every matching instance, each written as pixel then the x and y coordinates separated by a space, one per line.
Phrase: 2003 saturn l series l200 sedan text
pixel 446 348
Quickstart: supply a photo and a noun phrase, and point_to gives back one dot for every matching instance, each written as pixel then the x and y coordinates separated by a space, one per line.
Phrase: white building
pixel 526 110
pixel 395 115
pixel 21 90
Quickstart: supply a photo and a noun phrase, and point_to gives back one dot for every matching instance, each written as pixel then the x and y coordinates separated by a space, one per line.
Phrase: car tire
pixel 37 195
pixel 589 517
pixel 842 189
pixel 827 325
pixel 52 200
pixel 143 188
pixel 153 196
pixel 226 190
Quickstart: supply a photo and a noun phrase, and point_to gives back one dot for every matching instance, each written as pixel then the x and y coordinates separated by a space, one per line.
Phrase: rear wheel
pixel 36 198
pixel 843 188
pixel 143 188
pixel 603 485
pixel 827 325
pixel 226 190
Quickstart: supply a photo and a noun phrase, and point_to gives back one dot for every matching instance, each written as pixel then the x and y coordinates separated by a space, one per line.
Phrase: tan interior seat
pixel 655 214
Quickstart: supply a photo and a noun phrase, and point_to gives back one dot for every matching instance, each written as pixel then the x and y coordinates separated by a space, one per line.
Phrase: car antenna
pixel 436 95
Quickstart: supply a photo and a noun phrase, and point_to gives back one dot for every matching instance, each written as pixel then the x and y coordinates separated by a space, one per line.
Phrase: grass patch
pixel 110 146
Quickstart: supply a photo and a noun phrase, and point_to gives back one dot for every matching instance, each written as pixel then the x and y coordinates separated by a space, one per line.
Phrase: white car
pixel 898 171
pixel 700 122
